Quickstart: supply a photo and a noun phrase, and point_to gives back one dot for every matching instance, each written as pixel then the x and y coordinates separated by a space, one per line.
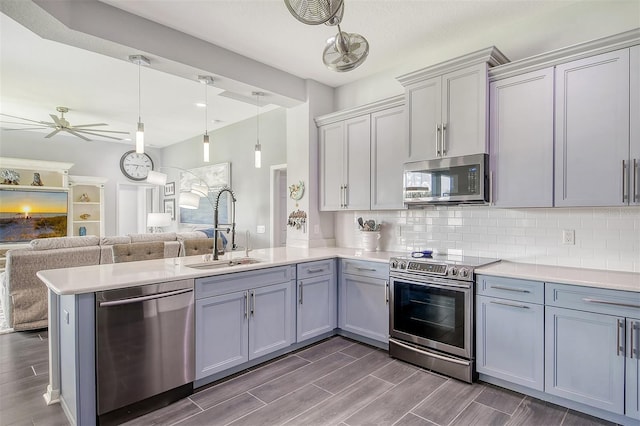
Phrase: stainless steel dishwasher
pixel 144 348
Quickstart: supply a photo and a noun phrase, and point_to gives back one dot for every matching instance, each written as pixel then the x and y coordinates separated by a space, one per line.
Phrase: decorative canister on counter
pixel 370 240
pixel 82 231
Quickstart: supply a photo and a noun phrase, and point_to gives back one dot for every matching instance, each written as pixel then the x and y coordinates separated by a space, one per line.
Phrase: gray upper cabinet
pixel 634 125
pixel 521 140
pixel 361 154
pixel 447 107
pixel 592 131
pixel 387 158
pixel 344 164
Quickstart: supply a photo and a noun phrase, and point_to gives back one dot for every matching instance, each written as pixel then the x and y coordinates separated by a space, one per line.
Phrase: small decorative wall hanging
pixel 10 177
pixel 37 181
pixel 84 198
pixel 296 191
pixel 298 220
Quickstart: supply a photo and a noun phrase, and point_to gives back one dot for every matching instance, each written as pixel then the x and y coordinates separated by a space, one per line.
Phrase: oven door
pixel 432 312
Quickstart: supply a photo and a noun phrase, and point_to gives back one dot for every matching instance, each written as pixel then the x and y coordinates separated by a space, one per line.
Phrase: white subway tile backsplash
pixel 605 238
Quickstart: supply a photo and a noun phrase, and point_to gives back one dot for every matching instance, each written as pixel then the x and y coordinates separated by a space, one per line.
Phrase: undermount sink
pixel 224 263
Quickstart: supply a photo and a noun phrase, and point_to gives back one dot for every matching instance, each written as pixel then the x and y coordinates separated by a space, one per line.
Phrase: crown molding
pixel 360 110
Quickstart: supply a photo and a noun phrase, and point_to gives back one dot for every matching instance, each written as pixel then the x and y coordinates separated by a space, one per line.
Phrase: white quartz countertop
pixel 89 279
pixel 614 280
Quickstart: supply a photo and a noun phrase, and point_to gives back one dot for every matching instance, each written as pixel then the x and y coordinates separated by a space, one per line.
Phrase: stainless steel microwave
pixel 454 180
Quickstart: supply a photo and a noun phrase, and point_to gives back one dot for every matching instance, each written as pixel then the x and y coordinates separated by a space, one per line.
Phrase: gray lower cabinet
pixel 589 343
pixel 238 326
pixel 510 330
pixel 317 299
pixel 364 299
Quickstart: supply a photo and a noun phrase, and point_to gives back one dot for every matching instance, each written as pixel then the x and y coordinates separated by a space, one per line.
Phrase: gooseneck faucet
pixel 216 225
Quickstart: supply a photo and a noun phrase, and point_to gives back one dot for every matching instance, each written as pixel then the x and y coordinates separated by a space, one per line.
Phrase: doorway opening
pixel 278 214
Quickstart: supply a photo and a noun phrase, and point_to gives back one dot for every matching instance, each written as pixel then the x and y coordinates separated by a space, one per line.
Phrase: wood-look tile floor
pixel 335 382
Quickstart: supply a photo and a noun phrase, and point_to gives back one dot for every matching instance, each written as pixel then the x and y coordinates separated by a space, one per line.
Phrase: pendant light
pixel 258 149
pixel 139 60
pixel 206 80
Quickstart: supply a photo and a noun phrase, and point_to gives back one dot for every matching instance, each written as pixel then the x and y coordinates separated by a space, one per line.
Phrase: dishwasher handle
pixel 144 298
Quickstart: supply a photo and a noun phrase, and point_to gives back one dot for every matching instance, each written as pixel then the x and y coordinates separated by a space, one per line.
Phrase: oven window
pixel 430 313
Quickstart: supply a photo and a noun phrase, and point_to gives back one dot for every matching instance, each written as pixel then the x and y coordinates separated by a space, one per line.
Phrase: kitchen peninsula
pixel 72 309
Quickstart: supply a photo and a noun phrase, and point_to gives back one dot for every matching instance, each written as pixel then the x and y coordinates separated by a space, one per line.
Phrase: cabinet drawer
pixel 510 288
pixel 599 300
pixel 365 268
pixel 240 281
pixel 315 269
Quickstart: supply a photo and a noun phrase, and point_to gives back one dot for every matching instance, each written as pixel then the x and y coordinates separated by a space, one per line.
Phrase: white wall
pixel 575 23
pixel 605 238
pixel 90 158
pixel 235 144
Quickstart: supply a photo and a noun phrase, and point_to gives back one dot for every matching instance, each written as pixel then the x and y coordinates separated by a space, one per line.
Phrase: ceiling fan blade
pixel 100 130
pixel 53 133
pixel 76 132
pixel 25 119
pixel 25 128
pixel 90 125
pixel 22 124
pixel 337 60
pixel 56 120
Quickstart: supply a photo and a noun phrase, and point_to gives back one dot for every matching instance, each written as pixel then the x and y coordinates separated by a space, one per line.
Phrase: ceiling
pixel 37 74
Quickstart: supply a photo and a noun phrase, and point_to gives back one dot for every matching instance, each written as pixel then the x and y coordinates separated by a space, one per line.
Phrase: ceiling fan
pixel 60 124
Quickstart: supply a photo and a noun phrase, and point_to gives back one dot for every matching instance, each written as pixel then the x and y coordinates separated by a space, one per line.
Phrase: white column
pixel 52 395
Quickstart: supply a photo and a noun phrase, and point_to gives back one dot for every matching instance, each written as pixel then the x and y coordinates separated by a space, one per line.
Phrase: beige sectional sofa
pixel 24 296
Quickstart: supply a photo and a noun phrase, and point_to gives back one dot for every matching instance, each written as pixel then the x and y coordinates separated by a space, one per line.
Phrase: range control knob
pixel 453 271
pixel 464 273
pixel 394 264
pixel 402 265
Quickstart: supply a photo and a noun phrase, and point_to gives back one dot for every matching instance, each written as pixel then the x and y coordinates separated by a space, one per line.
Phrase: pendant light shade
pixel 189 200
pixel 156 178
pixel 206 80
pixel 258 148
pixel 139 60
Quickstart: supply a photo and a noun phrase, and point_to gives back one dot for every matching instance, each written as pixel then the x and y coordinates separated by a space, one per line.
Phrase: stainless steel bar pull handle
pixel 513 305
pixel 346 196
pixel 365 269
pixel 246 304
pixel 144 298
pixel 315 271
pixel 636 196
pixel 386 292
pixel 632 349
pixel 608 302
pixel 519 290
pixel 624 181
pixel 619 347
pixel 444 139
pixel 300 293
pixel 253 303
pixel 437 140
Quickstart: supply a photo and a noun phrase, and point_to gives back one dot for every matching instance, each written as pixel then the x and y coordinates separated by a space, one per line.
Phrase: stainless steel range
pixel 431 315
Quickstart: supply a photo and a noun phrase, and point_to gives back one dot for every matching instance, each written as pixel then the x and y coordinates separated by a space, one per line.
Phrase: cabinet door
pixel 271 319
pixel 331 165
pixel 317 307
pixel 632 382
pixel 510 341
pixel 634 125
pixel 358 169
pixel 387 158
pixel 592 130
pixel 583 358
pixel 364 307
pixel 521 140
pixel 221 333
pixel 464 111
pixel 424 113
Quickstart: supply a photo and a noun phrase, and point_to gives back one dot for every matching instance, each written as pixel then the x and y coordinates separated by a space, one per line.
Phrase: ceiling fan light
pixel 140 138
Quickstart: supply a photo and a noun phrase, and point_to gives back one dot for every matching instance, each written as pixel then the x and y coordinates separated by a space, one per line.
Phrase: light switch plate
pixel 260 229
pixel 568 236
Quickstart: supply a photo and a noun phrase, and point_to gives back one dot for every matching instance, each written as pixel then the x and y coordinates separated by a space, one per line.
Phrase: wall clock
pixel 135 166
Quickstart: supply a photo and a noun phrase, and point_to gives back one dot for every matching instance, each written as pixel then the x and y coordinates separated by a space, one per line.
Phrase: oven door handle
pixel 431 283
pixel 431 354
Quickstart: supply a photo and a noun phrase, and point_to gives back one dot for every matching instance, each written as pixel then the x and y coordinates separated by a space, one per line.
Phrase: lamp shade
pixel 158 219
pixel 156 178
pixel 189 200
